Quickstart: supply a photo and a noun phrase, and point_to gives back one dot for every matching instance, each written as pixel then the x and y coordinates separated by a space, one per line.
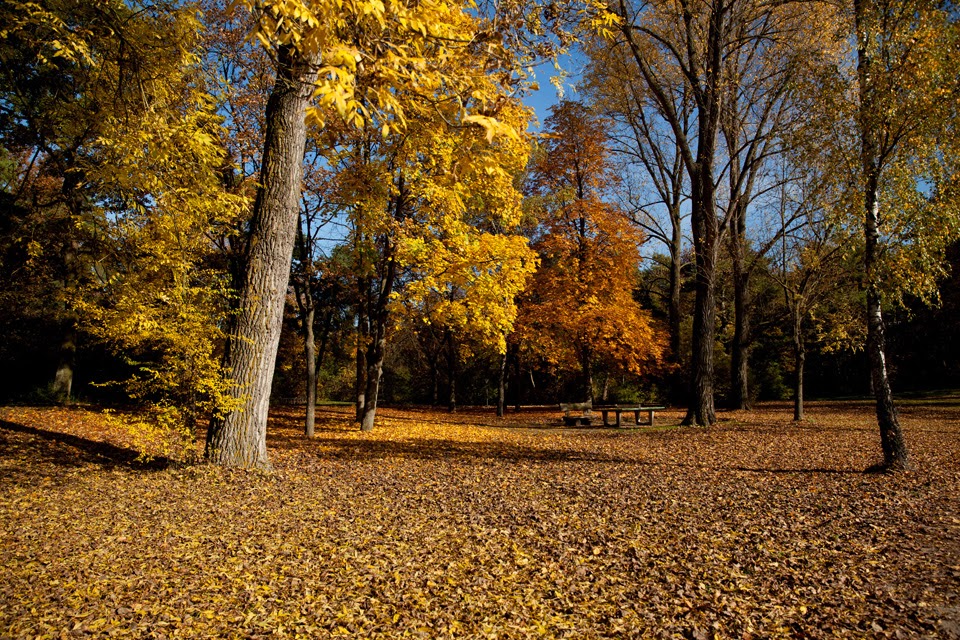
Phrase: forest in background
pixel 742 192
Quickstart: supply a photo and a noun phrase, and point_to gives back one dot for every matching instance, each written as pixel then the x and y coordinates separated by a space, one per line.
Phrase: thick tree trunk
pixel 240 438
pixel 309 354
pixel 374 373
pixel 704 221
pixel 377 349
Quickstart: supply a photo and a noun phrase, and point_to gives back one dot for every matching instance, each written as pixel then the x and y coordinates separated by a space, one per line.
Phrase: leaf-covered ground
pixel 466 526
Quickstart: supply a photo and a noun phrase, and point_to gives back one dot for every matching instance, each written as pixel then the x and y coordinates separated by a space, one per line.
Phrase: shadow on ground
pixel 42 447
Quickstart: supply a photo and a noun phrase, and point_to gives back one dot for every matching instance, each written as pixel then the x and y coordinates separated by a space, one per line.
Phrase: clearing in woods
pixel 439 525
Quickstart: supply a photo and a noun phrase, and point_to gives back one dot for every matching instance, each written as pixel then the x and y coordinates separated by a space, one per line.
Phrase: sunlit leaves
pixel 580 307
pixel 438 525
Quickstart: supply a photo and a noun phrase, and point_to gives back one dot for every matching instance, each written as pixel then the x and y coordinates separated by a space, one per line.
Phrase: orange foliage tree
pixel 579 311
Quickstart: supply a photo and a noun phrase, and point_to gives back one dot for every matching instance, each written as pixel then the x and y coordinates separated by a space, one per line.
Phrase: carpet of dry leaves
pixel 439 525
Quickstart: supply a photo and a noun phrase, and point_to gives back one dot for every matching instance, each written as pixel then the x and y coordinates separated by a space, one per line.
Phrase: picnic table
pixel 635 410
pixel 581 413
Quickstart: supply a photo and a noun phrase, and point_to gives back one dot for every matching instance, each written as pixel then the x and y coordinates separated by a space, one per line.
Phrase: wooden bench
pixel 583 409
pixel 636 411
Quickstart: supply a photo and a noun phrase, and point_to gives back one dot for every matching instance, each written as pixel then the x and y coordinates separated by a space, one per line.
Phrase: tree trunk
pixel 895 455
pixel 704 221
pixel 799 357
pixel 674 316
pixel 517 381
pixel 376 351
pixel 587 365
pixel 374 373
pixel 360 381
pixel 309 354
pixel 739 362
pixel 63 379
pixel 451 373
pixel 502 387
pixel 240 437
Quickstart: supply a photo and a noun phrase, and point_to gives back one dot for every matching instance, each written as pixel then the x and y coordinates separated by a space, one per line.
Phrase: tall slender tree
pixel 907 65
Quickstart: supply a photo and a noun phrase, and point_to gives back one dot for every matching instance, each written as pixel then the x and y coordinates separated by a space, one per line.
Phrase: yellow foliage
pixel 157 301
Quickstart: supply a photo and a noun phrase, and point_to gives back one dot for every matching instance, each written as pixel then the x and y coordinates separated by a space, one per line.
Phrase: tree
pixel 67 75
pixel 812 267
pixel 318 49
pixel 437 242
pixel 888 101
pixel 641 136
pixel 123 135
pixel 579 309
pixel 696 42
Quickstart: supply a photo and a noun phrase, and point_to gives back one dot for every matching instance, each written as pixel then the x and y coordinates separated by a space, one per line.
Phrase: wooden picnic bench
pixel 583 411
pixel 636 411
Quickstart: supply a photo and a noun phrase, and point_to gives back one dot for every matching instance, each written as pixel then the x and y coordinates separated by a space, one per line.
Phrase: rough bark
pixel 373 375
pixel 240 438
pixel 701 411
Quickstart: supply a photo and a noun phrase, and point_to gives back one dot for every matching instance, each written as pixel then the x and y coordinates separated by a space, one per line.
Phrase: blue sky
pixel 544 98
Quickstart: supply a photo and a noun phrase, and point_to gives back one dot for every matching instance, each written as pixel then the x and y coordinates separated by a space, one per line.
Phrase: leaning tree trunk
pixel 240 437
pixel 895 455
